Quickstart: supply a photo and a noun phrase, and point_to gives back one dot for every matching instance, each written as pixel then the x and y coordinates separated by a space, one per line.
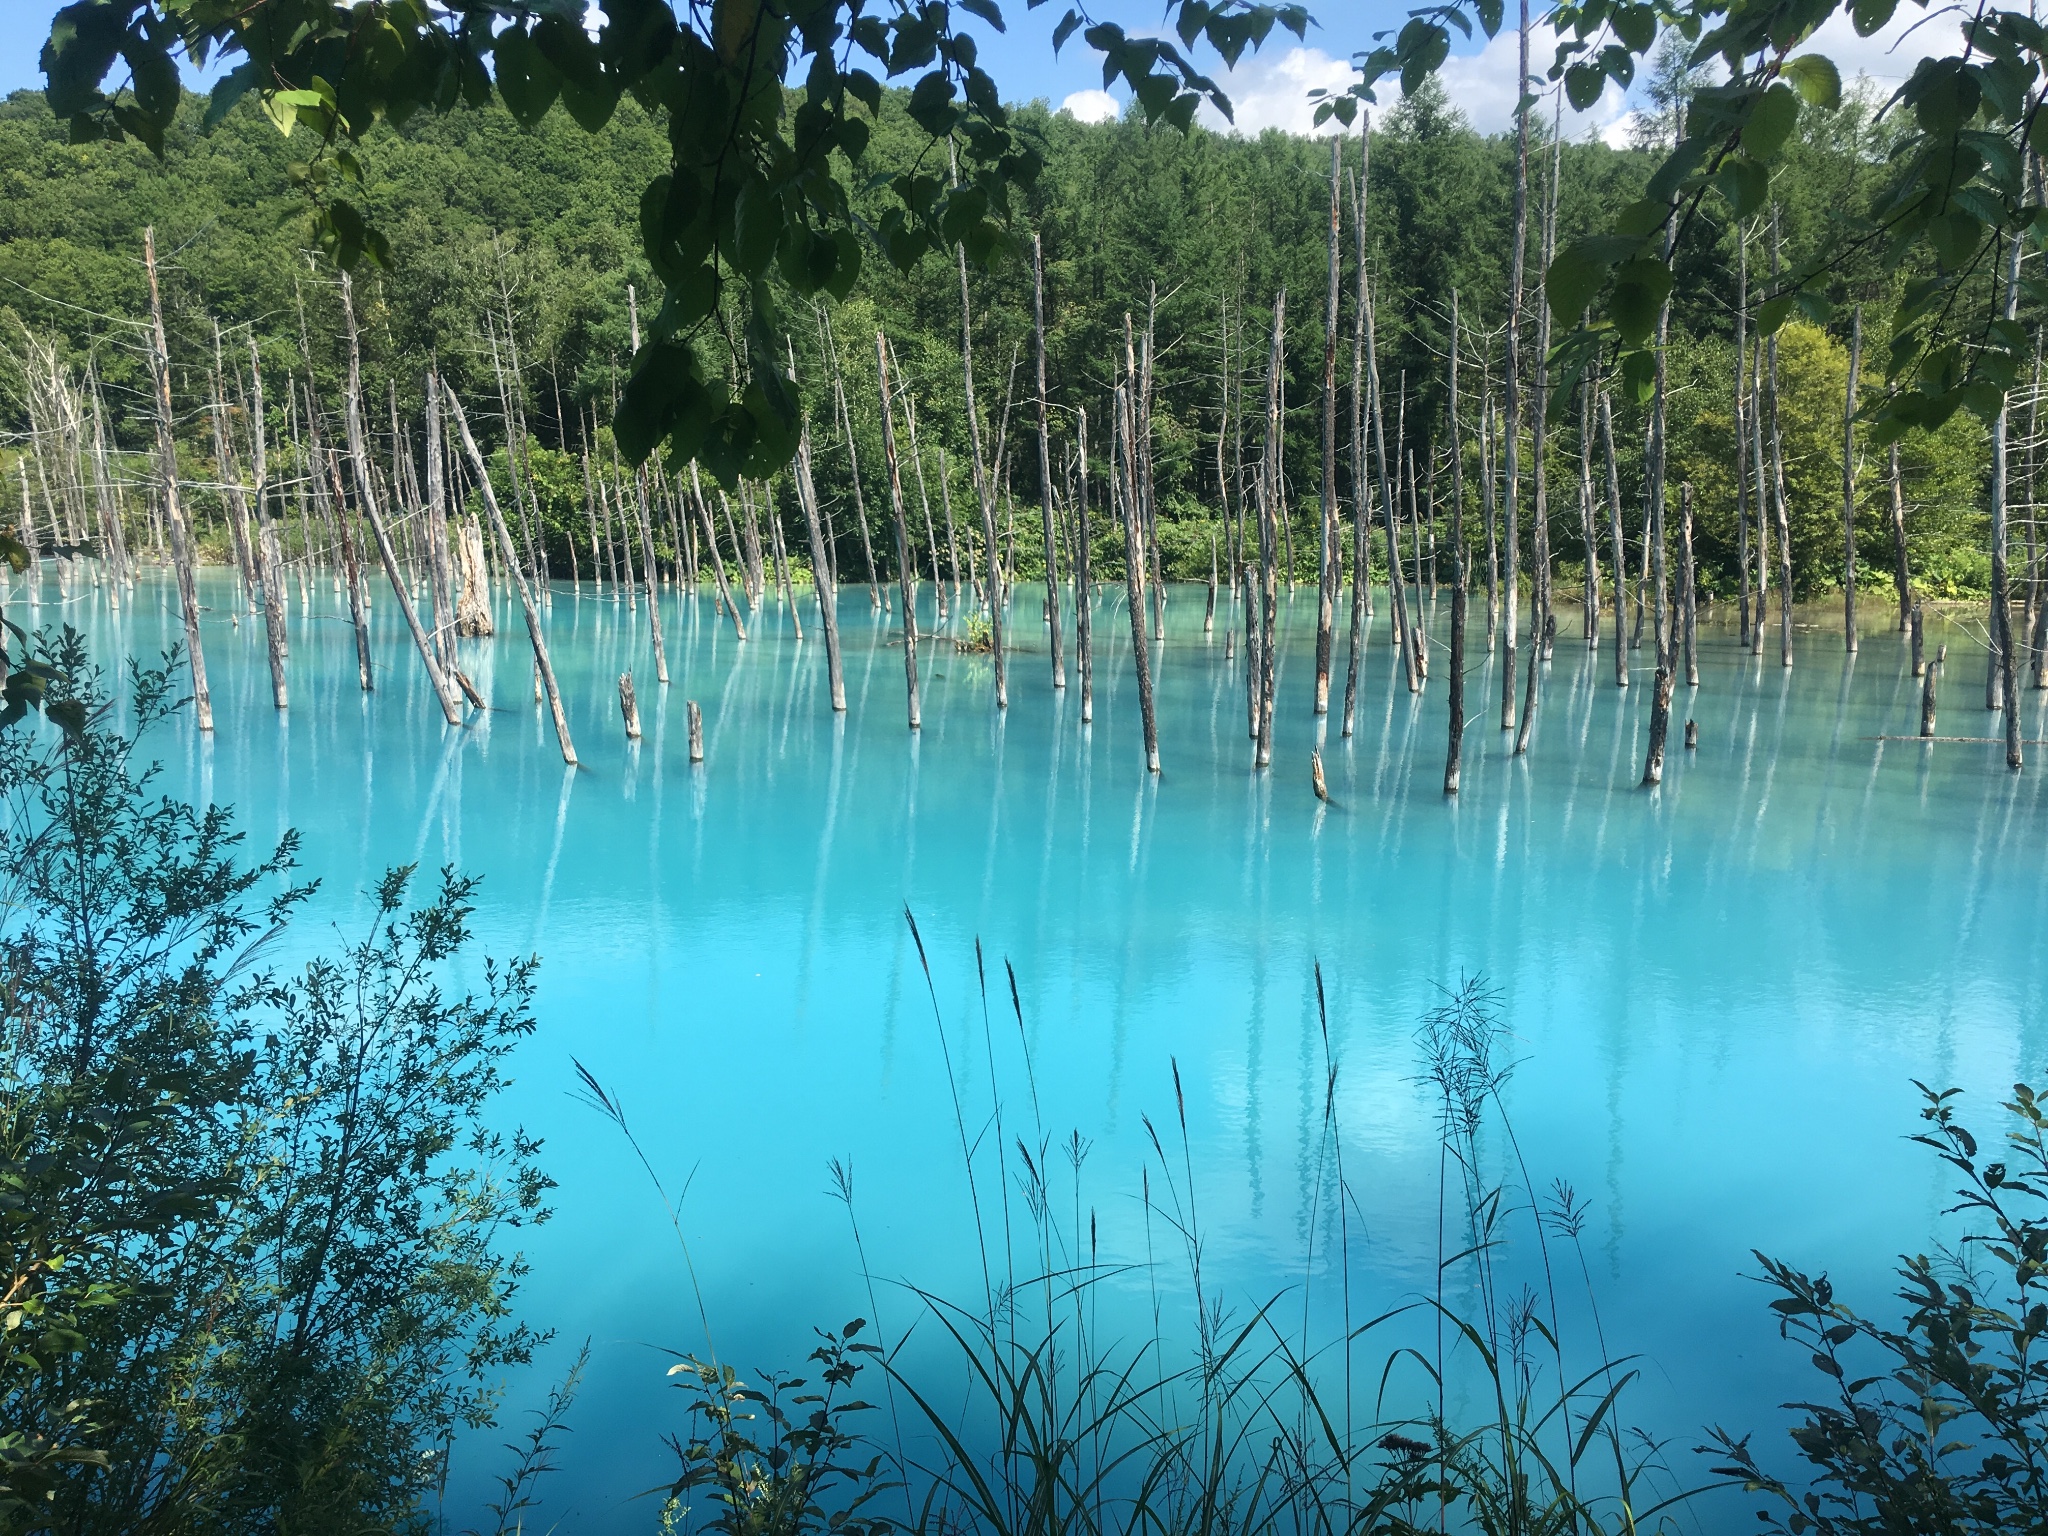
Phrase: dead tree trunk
pixel 739 627
pixel 1849 484
pixel 1688 598
pixel 1453 760
pixel 905 571
pixel 823 577
pixel 1134 565
pixel 1660 725
pixel 1614 534
pixel 1929 683
pixel 1511 426
pixel 352 573
pixel 1742 430
pixel 984 494
pixel 518 580
pixel 1052 573
pixel 272 556
pixel 182 552
pixel 1084 650
pixel 1361 481
pixel 2001 593
pixel 1329 574
pixel 1783 514
pixel 359 455
pixel 1902 576
pixel 1271 511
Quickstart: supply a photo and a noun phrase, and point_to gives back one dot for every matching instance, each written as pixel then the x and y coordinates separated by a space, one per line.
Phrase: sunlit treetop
pixel 1961 204
pixel 750 189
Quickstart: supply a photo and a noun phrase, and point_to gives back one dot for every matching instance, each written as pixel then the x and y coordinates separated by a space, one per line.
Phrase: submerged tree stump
pixel 1660 726
pixel 629 707
pixel 696 731
pixel 1928 688
pixel 473 606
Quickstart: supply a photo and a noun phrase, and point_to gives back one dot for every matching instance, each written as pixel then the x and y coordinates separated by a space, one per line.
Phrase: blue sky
pixel 1270 90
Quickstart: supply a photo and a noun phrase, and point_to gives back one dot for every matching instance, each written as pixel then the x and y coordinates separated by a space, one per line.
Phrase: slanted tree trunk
pixel 984 494
pixel 860 506
pixel 823 576
pixel 437 527
pixel 182 553
pixel 732 609
pixel 352 573
pixel 518 580
pixel 366 492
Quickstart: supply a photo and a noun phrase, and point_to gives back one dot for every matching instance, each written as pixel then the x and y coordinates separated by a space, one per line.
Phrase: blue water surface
pixel 1718 993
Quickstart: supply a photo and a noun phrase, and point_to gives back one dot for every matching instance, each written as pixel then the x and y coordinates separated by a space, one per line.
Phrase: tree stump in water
pixel 696 731
pixel 628 706
pixel 473 607
pixel 1692 735
pixel 1919 654
pixel 1927 689
pixel 1315 773
pixel 1660 727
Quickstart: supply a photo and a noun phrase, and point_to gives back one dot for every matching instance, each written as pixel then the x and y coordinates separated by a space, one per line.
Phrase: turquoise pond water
pixel 1718 992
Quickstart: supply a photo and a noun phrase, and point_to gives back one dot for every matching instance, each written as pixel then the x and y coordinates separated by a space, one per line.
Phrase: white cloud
pixel 1271 91
pixel 1093 106
pixel 1483 86
pixel 1887 56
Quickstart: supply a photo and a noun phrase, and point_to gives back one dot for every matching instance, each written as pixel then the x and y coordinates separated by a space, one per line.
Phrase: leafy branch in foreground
pixel 752 191
pixel 1936 1424
pixel 252 1223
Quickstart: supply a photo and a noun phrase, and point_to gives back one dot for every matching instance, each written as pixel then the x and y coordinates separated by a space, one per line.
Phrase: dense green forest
pixel 528 240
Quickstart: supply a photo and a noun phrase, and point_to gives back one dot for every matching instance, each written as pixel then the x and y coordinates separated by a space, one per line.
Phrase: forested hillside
pixel 528 241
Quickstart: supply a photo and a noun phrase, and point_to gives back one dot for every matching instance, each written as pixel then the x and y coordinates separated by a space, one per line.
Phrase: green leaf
pixel 1640 288
pixel 1816 79
pixel 526 80
pixel 1744 183
pixel 1772 314
pixel 1771 122
pixel 987 10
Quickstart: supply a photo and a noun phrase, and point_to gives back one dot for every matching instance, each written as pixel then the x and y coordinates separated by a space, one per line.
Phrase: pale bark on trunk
pixel 1615 538
pixel 1454 757
pixel 823 577
pixel 1052 571
pixel 1849 484
pixel 905 571
pixel 983 493
pixel 359 456
pixel 512 572
pixel 272 558
pixel 182 553
pixel 1134 565
pixel 1511 424
pixel 1084 649
pixel 739 627
pixel 1330 566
